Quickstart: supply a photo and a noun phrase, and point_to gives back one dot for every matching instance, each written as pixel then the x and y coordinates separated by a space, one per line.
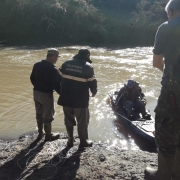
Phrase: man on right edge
pixel 167 120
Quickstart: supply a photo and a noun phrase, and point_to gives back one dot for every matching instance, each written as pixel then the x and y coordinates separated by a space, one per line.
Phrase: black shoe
pixel 86 143
pixel 40 135
pixel 70 142
pixel 52 137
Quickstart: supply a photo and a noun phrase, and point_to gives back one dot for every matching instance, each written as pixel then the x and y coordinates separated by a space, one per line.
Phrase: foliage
pixel 152 12
pixel 98 22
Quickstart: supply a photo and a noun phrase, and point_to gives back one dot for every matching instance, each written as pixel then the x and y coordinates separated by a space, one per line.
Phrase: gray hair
pixel 173 5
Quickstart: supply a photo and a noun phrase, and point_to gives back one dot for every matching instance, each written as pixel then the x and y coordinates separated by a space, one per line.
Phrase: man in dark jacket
pixel 45 79
pixel 131 96
pixel 77 78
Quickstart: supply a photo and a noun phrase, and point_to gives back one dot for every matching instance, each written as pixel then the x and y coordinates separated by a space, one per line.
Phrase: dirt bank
pixel 28 159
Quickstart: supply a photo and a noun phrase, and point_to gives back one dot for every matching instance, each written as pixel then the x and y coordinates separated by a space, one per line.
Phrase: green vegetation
pixel 94 22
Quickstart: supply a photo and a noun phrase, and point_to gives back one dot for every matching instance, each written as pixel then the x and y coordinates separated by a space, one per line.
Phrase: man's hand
pixel 116 108
pixel 144 102
pixel 158 62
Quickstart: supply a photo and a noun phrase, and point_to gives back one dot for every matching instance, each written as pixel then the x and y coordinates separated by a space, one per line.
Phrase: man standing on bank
pixel 45 79
pixel 77 78
pixel 167 124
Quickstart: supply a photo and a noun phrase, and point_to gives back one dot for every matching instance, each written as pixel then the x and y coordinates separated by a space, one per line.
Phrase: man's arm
pixel 56 80
pixel 120 94
pixel 158 50
pixel 142 96
pixel 158 62
pixel 92 83
pixel 32 76
pixel 93 87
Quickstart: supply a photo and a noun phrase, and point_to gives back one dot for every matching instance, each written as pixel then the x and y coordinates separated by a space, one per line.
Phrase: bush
pixel 96 22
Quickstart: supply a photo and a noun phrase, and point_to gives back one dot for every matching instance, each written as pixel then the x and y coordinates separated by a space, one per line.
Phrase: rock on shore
pixel 29 159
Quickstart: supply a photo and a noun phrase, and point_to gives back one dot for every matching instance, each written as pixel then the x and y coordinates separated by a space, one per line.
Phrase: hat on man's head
pixel 84 52
pixel 53 51
pixel 130 83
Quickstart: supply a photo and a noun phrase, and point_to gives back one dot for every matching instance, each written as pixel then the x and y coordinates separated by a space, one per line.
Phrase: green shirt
pixel 167 42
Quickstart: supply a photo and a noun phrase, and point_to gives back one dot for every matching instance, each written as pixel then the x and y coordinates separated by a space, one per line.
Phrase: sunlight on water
pixel 112 68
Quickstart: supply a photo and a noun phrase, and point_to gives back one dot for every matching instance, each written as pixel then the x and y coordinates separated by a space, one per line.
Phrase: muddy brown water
pixel 112 68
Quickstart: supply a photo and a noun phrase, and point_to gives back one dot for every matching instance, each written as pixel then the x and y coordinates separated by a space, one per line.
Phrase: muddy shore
pixel 29 159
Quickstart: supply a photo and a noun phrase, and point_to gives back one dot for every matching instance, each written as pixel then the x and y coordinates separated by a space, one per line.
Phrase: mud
pixel 30 159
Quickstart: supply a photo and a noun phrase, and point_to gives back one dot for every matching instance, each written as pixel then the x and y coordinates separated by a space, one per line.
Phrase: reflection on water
pixel 112 67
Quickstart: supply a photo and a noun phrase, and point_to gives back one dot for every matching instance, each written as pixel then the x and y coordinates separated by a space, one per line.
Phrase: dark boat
pixel 144 128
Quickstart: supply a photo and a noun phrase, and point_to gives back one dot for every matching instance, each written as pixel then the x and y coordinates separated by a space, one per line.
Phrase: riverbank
pixel 29 159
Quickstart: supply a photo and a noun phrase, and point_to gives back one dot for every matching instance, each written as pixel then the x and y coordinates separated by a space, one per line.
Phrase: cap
pixel 53 51
pixel 130 83
pixel 84 52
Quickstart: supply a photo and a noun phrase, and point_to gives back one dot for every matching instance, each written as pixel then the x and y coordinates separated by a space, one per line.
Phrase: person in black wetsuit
pixel 131 96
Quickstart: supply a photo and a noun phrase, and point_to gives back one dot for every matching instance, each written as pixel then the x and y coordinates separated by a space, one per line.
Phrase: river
pixel 112 68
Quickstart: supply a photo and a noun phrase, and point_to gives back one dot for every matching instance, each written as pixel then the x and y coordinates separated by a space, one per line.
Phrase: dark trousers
pixel 137 104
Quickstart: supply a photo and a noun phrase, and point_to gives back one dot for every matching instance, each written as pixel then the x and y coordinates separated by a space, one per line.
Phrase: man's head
pixel 173 9
pixel 130 84
pixel 85 54
pixel 52 55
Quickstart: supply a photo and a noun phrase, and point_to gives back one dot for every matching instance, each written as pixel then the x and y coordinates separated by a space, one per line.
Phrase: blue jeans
pixel 138 104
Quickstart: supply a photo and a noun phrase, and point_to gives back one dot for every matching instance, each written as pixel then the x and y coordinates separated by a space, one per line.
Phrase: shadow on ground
pixel 39 161
pixel 14 168
pixel 65 170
